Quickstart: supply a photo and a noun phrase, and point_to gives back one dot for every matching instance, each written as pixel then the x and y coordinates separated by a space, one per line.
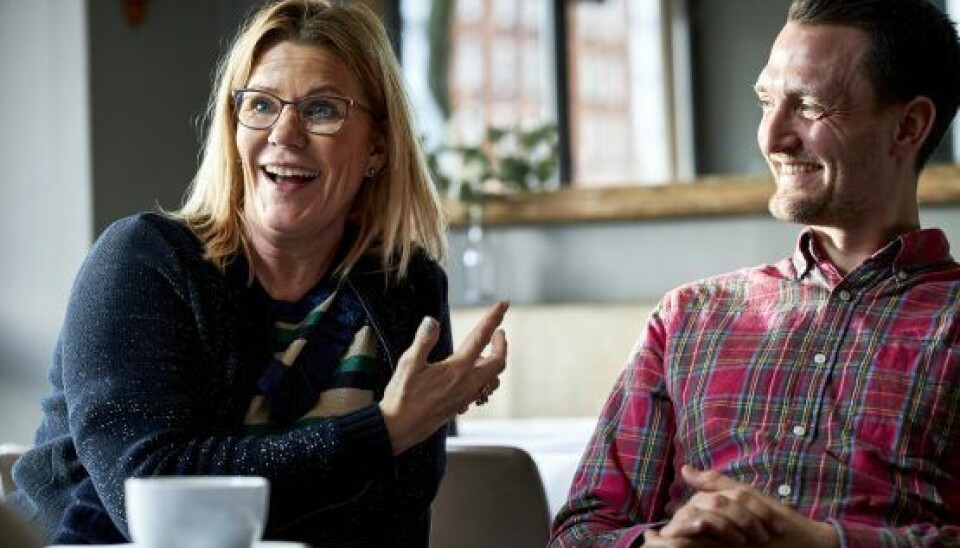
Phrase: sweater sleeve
pixel 146 395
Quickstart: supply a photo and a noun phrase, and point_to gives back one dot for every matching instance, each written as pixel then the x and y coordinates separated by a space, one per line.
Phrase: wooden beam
pixel 706 196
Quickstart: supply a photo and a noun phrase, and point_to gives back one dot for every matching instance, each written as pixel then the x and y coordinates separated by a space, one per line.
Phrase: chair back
pixel 15 532
pixel 490 497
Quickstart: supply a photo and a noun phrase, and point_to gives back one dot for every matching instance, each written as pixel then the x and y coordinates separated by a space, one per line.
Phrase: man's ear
pixel 913 127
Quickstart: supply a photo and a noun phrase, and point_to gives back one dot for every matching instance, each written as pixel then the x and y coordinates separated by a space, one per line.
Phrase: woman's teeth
pixel 286 171
pixel 289 172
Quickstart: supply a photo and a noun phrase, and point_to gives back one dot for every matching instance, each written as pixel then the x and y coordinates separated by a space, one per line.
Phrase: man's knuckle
pixel 713 502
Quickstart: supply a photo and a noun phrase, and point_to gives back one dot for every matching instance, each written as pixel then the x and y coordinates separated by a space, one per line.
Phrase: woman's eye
pixel 261 105
pixel 321 109
pixel 765 105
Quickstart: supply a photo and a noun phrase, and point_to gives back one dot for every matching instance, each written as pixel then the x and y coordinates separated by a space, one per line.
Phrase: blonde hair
pixel 396 212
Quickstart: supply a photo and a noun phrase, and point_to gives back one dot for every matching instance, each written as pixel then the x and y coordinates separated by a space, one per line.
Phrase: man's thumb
pixel 705 480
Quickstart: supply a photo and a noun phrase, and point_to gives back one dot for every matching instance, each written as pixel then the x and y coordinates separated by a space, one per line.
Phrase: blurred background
pixel 102 104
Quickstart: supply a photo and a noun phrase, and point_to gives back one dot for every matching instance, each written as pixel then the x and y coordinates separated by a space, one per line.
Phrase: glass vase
pixel 476 262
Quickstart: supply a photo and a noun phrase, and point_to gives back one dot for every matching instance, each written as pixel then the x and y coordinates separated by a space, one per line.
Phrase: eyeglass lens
pixel 319 114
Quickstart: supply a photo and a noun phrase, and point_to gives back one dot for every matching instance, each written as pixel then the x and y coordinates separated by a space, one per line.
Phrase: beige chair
pixel 9 453
pixel 16 533
pixel 490 497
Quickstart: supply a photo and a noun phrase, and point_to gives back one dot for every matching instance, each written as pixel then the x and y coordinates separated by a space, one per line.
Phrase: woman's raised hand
pixel 421 397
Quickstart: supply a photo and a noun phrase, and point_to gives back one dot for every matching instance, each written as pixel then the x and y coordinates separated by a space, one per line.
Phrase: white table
pixel 555 444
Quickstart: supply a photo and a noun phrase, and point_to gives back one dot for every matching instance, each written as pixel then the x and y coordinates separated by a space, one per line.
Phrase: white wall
pixel 45 214
pixel 97 123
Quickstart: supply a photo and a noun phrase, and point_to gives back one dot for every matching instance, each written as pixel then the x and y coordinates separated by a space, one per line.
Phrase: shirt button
pixel 799 431
pixel 784 490
pixel 845 296
pixel 820 359
pixel 902 275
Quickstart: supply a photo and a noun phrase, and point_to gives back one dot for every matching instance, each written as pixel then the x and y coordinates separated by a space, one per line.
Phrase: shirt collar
pixel 911 250
pixel 804 256
pixel 922 248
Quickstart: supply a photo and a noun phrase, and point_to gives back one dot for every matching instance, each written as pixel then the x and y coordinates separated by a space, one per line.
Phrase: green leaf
pixel 513 170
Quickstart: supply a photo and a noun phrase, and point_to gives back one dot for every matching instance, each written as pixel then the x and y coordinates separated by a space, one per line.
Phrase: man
pixel 816 401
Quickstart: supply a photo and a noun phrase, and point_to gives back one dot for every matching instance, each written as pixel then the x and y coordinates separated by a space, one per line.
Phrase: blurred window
pixel 476 64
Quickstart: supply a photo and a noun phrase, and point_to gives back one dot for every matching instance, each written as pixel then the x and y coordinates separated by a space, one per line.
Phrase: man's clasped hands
pixel 724 513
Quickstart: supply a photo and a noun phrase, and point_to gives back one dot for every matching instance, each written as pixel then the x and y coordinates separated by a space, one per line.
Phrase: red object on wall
pixel 134 11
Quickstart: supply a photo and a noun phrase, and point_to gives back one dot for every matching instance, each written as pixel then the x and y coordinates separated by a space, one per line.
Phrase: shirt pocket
pixel 902 407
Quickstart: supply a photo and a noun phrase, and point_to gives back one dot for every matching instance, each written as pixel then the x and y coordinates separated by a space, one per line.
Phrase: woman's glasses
pixel 319 114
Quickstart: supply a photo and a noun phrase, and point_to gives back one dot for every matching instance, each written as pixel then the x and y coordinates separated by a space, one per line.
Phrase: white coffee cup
pixel 196 511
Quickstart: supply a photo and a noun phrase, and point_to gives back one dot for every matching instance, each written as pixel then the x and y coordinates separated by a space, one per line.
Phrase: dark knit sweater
pixel 155 366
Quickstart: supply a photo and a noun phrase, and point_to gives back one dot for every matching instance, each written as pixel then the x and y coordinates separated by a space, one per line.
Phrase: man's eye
pixel 766 104
pixel 321 109
pixel 812 111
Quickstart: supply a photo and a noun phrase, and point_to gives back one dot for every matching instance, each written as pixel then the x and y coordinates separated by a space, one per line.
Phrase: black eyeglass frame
pixel 238 95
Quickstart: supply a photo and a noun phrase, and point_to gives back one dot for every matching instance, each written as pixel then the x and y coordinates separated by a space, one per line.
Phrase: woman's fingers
pixel 498 345
pixel 423 342
pixel 487 390
pixel 481 334
pixel 493 364
pixel 421 397
pixel 489 368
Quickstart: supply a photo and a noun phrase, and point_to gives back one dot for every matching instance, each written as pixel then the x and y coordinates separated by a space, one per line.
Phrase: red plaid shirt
pixel 839 395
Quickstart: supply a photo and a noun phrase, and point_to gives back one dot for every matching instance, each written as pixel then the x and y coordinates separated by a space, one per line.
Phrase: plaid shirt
pixel 838 395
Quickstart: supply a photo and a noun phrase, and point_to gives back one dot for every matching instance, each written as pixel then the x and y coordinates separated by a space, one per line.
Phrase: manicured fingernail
pixel 427 326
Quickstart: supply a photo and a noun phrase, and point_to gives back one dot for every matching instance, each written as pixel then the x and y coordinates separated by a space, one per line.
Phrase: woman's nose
pixel 288 129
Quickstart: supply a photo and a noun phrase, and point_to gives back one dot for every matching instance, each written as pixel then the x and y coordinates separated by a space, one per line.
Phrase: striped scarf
pixel 324 361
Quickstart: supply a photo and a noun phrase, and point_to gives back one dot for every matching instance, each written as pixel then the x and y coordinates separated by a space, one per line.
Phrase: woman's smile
pixel 284 176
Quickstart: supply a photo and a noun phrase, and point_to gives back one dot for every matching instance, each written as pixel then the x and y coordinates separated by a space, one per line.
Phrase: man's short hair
pixel 914 51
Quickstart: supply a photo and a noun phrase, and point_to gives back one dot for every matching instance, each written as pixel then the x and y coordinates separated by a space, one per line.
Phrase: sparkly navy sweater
pixel 156 363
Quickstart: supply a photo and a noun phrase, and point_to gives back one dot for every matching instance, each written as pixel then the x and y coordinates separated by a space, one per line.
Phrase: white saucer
pixel 258 544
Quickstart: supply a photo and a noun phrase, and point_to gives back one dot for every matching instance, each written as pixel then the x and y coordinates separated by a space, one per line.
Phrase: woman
pixel 282 322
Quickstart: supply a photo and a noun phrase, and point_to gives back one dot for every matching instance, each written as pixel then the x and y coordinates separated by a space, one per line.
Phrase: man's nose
pixel 778 131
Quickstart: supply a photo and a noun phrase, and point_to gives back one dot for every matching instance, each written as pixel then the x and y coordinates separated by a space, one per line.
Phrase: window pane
pixel 618 108
pixel 476 64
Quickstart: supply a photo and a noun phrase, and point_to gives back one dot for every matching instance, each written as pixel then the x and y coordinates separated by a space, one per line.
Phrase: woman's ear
pixel 913 127
pixel 377 157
